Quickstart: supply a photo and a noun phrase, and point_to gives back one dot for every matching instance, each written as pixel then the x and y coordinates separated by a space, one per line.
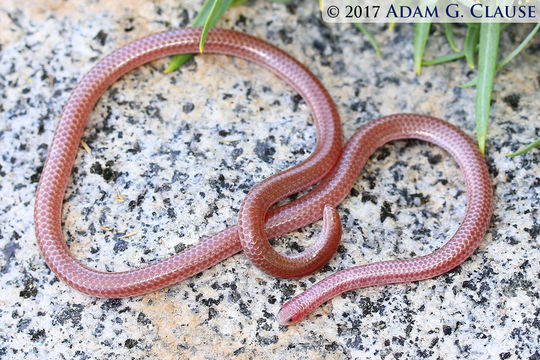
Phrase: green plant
pixel 209 15
pixel 480 48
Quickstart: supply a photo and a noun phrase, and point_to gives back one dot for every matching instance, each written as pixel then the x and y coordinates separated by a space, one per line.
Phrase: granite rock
pixel 183 149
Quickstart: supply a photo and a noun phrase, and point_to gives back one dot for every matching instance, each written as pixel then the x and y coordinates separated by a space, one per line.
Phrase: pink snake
pixel 334 171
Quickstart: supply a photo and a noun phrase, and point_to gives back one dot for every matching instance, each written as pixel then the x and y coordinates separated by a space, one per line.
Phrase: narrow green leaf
pixel 177 61
pixel 468 84
pixel 487 62
pixel 421 33
pixel 370 37
pixel 206 9
pixel 236 3
pixel 180 59
pixel 535 143
pixel 450 37
pixel 443 59
pixel 471 41
pixel 201 20
pixel 217 11
pixel 208 22
pixel 520 47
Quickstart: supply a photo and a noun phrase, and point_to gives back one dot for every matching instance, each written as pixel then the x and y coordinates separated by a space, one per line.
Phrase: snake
pixel 330 170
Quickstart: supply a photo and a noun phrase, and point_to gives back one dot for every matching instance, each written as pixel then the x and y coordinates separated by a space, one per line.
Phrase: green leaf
pixel 370 38
pixel 421 33
pixel 520 47
pixel 487 62
pixel 444 59
pixel 216 12
pixel 450 37
pixel 177 61
pixel 209 15
pixel 468 84
pixel 535 143
pixel 471 42
pixel 206 9
pixel 210 19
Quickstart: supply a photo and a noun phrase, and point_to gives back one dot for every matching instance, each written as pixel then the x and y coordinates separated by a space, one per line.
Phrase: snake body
pixel 334 171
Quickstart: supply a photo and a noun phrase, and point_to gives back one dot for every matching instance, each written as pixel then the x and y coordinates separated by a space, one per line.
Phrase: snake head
pixel 288 315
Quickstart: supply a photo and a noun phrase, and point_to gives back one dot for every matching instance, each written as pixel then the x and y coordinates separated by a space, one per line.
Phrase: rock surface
pixel 182 150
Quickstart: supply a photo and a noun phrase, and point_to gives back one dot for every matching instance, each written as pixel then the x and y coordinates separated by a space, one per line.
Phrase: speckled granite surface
pixel 182 149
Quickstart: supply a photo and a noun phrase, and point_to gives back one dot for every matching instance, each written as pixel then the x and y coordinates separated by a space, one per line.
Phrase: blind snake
pixel 332 168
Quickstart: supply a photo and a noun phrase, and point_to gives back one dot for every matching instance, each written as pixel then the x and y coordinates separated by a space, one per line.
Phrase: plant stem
pixel 468 84
pixel 370 37
pixel 444 59
pixel 520 47
pixel 532 145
